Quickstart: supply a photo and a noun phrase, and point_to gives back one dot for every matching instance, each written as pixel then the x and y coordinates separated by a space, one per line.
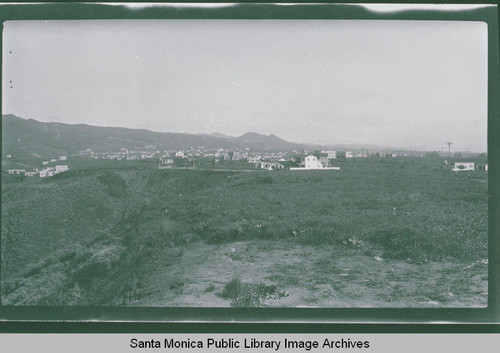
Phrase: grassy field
pixel 381 232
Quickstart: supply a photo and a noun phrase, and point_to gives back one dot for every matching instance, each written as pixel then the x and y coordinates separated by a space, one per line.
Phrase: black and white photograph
pixel 245 163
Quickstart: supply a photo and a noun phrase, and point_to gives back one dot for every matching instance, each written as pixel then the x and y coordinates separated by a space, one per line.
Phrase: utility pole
pixel 449 148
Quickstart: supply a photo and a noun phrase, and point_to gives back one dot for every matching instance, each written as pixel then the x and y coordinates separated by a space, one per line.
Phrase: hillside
pixel 27 138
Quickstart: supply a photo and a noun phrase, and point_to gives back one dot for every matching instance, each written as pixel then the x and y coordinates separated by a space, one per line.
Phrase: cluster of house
pixel 263 160
pixel 55 160
pixel 43 173
pixel 267 160
pixel 167 159
pixel 221 154
pixel 166 156
pixel 321 161
pixel 123 154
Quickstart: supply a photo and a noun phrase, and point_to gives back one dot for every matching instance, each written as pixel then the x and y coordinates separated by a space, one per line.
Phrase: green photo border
pixel 161 319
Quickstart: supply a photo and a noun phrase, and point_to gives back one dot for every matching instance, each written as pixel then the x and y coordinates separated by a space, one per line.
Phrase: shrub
pixel 403 244
pixel 232 289
pixel 115 184
pixel 249 295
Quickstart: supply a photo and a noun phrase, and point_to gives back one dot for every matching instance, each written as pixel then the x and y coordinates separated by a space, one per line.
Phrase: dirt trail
pixel 315 277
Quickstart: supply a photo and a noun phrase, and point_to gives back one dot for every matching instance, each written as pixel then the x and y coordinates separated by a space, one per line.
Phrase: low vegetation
pixel 95 238
pixel 250 295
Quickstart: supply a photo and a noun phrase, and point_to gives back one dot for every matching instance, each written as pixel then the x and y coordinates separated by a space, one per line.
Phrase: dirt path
pixel 315 277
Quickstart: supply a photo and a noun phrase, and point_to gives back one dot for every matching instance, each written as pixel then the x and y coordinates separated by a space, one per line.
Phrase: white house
pixel 61 168
pixel 463 166
pixel 253 159
pixel 47 172
pixel 269 165
pixel 63 158
pixel 166 163
pixel 348 154
pixel 179 154
pixel 312 162
pixel 330 154
pixel 16 171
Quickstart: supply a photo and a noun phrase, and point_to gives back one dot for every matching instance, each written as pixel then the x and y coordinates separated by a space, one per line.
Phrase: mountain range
pixel 28 136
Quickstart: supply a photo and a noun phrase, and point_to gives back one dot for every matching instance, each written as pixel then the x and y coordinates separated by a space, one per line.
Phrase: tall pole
pixel 449 148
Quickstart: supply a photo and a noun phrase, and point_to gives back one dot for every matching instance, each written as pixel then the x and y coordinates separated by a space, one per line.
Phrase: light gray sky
pixel 395 83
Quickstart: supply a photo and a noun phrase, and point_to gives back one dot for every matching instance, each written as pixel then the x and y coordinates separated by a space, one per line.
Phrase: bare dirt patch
pixel 312 276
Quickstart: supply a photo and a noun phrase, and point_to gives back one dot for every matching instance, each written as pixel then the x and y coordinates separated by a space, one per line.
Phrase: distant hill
pixel 216 134
pixel 31 138
pixel 271 142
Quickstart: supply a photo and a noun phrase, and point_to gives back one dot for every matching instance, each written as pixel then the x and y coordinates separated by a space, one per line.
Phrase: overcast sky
pixel 393 83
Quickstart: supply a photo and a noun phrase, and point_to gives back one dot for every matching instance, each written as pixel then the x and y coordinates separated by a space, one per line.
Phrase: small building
pixel 269 165
pixel 166 163
pixel 63 158
pixel 16 171
pixel 61 168
pixel 464 166
pixel 312 163
pixel 348 154
pixel 254 159
pixel 30 174
pixel 47 172
pixel 179 154
pixel 483 167
pixel 330 154
pixel 53 160
pixel 45 162
pixel 236 156
pixel 289 164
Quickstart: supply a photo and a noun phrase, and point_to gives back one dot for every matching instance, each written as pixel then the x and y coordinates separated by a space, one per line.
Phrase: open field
pixel 381 232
